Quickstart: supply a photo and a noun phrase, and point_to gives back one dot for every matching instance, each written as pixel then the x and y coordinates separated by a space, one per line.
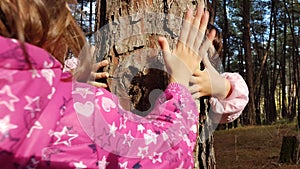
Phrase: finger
pixel 194 88
pixel 195 80
pixel 98 84
pixel 100 75
pixel 206 62
pixel 195 27
pixel 201 33
pixel 205 48
pixel 101 64
pixel 204 22
pixel 196 95
pixel 93 48
pixel 164 44
pixel 165 48
pixel 198 39
pixel 186 26
pixel 211 35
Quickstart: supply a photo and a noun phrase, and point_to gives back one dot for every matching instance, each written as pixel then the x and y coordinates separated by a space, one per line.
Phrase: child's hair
pixel 44 23
pixel 217 42
pixel 218 45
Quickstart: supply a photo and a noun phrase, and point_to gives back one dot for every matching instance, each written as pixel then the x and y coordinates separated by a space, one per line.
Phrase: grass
pixel 254 147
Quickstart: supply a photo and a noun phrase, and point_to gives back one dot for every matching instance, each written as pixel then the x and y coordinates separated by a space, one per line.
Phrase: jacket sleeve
pixel 230 108
pixel 170 125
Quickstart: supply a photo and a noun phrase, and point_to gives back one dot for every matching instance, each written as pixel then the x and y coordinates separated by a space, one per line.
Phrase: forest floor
pixel 254 147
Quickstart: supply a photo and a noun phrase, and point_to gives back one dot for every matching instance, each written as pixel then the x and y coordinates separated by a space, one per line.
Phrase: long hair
pixel 44 23
pixel 217 42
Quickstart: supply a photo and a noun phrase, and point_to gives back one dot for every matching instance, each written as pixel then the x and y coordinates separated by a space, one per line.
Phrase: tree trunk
pixel 283 78
pixel 247 48
pixel 225 37
pixel 289 150
pixel 127 37
pixel 266 94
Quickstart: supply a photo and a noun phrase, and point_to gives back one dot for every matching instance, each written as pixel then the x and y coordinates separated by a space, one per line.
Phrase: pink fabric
pixel 49 121
pixel 229 109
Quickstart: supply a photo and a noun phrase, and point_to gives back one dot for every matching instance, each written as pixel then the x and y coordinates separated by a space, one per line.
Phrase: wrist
pixel 179 80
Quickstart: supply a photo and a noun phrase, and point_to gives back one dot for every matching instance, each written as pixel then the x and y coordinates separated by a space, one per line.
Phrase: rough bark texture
pixel 128 38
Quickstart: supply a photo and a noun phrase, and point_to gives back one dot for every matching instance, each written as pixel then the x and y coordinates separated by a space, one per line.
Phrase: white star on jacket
pixel 33 105
pixel 7 98
pixel 79 165
pixel 37 125
pixel 150 137
pixel 48 74
pixel 102 164
pixel 140 128
pixel 6 126
pixel 123 122
pixel 64 132
pixel 123 165
pixel 156 157
pixel 128 139
pixel 178 115
pixel 191 115
pixel 112 129
pixel 142 152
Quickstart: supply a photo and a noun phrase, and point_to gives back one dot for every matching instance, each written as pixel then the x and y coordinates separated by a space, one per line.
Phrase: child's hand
pixel 209 82
pixel 99 75
pixel 185 58
pixel 200 84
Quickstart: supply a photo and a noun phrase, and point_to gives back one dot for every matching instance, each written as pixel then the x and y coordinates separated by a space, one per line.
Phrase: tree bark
pixel 283 74
pixel 127 37
pixel 247 49
pixel 289 150
pixel 225 37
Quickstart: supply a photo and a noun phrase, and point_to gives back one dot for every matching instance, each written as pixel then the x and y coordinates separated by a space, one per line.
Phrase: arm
pixel 171 126
pixel 223 110
pixel 228 109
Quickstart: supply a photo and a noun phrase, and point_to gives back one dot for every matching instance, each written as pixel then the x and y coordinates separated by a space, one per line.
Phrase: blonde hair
pixel 44 23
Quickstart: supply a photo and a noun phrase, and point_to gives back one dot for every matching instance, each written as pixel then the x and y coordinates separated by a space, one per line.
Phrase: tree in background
pixel 272 33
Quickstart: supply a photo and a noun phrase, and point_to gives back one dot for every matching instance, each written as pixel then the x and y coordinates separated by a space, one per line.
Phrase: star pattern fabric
pixel 7 98
pixel 54 122
pixel 64 133
pixel 5 125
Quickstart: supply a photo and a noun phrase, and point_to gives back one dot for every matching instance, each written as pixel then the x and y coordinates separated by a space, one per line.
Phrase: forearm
pixel 228 109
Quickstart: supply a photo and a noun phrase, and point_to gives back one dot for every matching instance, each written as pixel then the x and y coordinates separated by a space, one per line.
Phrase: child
pixel 49 121
pixel 229 91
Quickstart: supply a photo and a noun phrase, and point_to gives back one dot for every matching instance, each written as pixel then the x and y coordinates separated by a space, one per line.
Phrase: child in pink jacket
pixel 49 121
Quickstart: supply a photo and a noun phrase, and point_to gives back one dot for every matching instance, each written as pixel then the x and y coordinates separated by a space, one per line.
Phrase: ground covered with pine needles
pixel 255 147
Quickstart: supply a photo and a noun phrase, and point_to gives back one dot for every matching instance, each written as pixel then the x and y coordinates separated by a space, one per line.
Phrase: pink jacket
pixel 49 121
pixel 229 109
